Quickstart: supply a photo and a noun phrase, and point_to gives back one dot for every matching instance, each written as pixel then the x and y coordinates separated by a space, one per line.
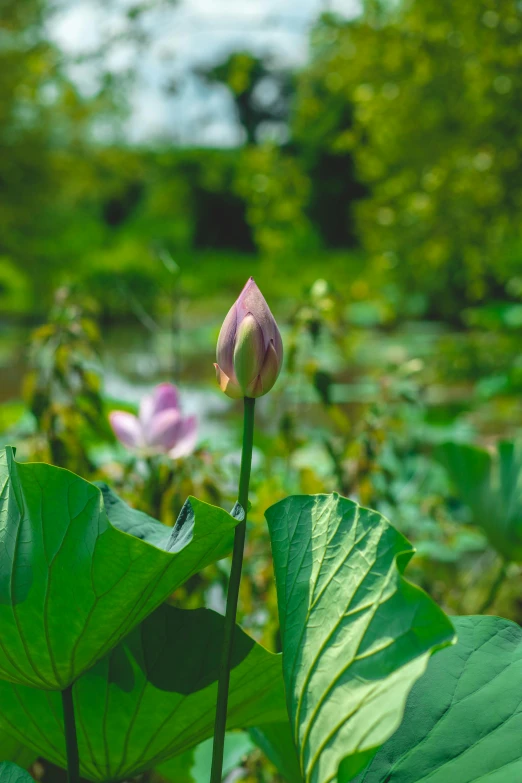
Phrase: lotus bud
pixel 249 350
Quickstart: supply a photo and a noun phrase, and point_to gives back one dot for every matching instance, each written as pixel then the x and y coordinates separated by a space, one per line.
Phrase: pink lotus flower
pixel 159 427
pixel 249 350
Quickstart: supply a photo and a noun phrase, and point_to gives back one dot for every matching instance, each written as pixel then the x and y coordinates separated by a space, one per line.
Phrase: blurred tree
pixel 62 188
pixel 28 84
pixel 261 92
pixel 63 386
pixel 44 127
pixel 437 136
pixel 263 96
pixel 276 191
pixel 218 211
pixel 331 169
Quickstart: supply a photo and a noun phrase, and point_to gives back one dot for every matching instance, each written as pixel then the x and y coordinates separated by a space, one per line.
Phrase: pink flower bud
pixel 249 350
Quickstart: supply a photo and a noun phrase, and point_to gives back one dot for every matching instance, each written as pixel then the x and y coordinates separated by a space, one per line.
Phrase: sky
pixel 182 36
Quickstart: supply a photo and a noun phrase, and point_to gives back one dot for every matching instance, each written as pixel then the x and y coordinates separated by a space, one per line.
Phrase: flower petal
pixel 227 385
pixel 162 432
pixel 226 341
pixel 271 368
pixel 127 428
pixel 249 351
pixel 263 382
pixel 255 388
pixel 163 397
pixel 251 300
pixel 187 437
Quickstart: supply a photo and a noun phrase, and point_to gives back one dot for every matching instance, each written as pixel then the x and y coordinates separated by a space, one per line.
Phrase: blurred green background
pixel 362 162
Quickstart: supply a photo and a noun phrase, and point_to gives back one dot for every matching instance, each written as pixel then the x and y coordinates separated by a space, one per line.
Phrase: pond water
pixel 136 357
pixel 134 360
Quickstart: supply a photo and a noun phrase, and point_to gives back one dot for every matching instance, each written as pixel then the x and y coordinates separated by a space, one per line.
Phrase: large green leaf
pixel 141 525
pixel 130 520
pixel 152 697
pixel 72 584
pixel 463 720
pixel 11 773
pixel 355 634
pixel 491 486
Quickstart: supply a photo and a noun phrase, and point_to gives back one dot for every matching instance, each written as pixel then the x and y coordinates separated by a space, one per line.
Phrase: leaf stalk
pixel 232 595
pixel 71 740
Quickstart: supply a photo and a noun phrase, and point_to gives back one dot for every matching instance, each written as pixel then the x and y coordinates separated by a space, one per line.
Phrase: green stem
pixel 232 596
pixel 71 741
pixel 495 587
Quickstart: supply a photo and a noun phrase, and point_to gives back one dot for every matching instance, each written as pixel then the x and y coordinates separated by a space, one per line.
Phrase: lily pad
pixel 355 634
pixel 152 698
pixel 463 720
pixel 11 773
pixel 72 585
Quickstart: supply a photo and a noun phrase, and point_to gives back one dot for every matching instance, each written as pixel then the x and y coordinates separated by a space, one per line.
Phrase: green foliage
pixel 41 115
pixel 63 386
pixel 73 584
pixel 131 209
pixel 355 634
pixel 28 67
pixel 11 773
pixel 277 743
pixel 430 122
pixel 276 191
pixel 403 136
pixel 152 697
pixel 164 199
pixel 490 485
pixel 463 718
pixel 356 637
pixel 416 143
pixel 194 765
pixel 12 749
pixel 15 291
pixel 250 79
